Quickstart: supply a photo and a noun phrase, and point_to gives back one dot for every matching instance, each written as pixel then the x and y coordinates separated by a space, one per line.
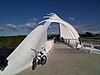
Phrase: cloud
pixel 89 27
pixel 80 29
pixel 71 18
pixel 54 32
pixel 12 26
pixel 33 20
pixel 31 25
pixel 1 29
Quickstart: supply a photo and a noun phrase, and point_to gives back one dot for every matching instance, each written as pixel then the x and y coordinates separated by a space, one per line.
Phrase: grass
pixel 10 42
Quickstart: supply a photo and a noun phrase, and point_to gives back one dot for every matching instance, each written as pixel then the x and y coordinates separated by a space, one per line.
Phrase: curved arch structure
pixel 22 56
pixel 67 31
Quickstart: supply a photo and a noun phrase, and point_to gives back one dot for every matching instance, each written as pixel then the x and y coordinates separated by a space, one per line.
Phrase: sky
pixel 20 17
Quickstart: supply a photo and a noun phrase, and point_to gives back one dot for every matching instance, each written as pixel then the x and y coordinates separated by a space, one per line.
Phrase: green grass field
pixel 10 42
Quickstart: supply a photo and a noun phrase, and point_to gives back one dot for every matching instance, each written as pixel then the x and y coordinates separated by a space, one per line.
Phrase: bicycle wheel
pixel 43 60
pixel 34 64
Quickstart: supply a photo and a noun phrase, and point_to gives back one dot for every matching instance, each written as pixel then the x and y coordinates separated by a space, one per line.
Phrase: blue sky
pixel 18 17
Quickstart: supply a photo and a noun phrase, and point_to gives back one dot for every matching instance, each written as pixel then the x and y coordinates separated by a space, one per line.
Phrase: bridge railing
pixel 92 43
pixel 49 45
pixel 74 43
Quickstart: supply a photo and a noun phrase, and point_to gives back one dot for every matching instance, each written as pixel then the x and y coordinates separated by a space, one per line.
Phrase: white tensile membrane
pixel 21 57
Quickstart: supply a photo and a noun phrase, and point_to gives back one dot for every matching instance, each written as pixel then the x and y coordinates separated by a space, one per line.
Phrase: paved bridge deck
pixel 64 60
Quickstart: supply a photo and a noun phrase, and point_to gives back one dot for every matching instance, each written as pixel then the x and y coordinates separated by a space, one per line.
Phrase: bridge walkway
pixel 64 60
